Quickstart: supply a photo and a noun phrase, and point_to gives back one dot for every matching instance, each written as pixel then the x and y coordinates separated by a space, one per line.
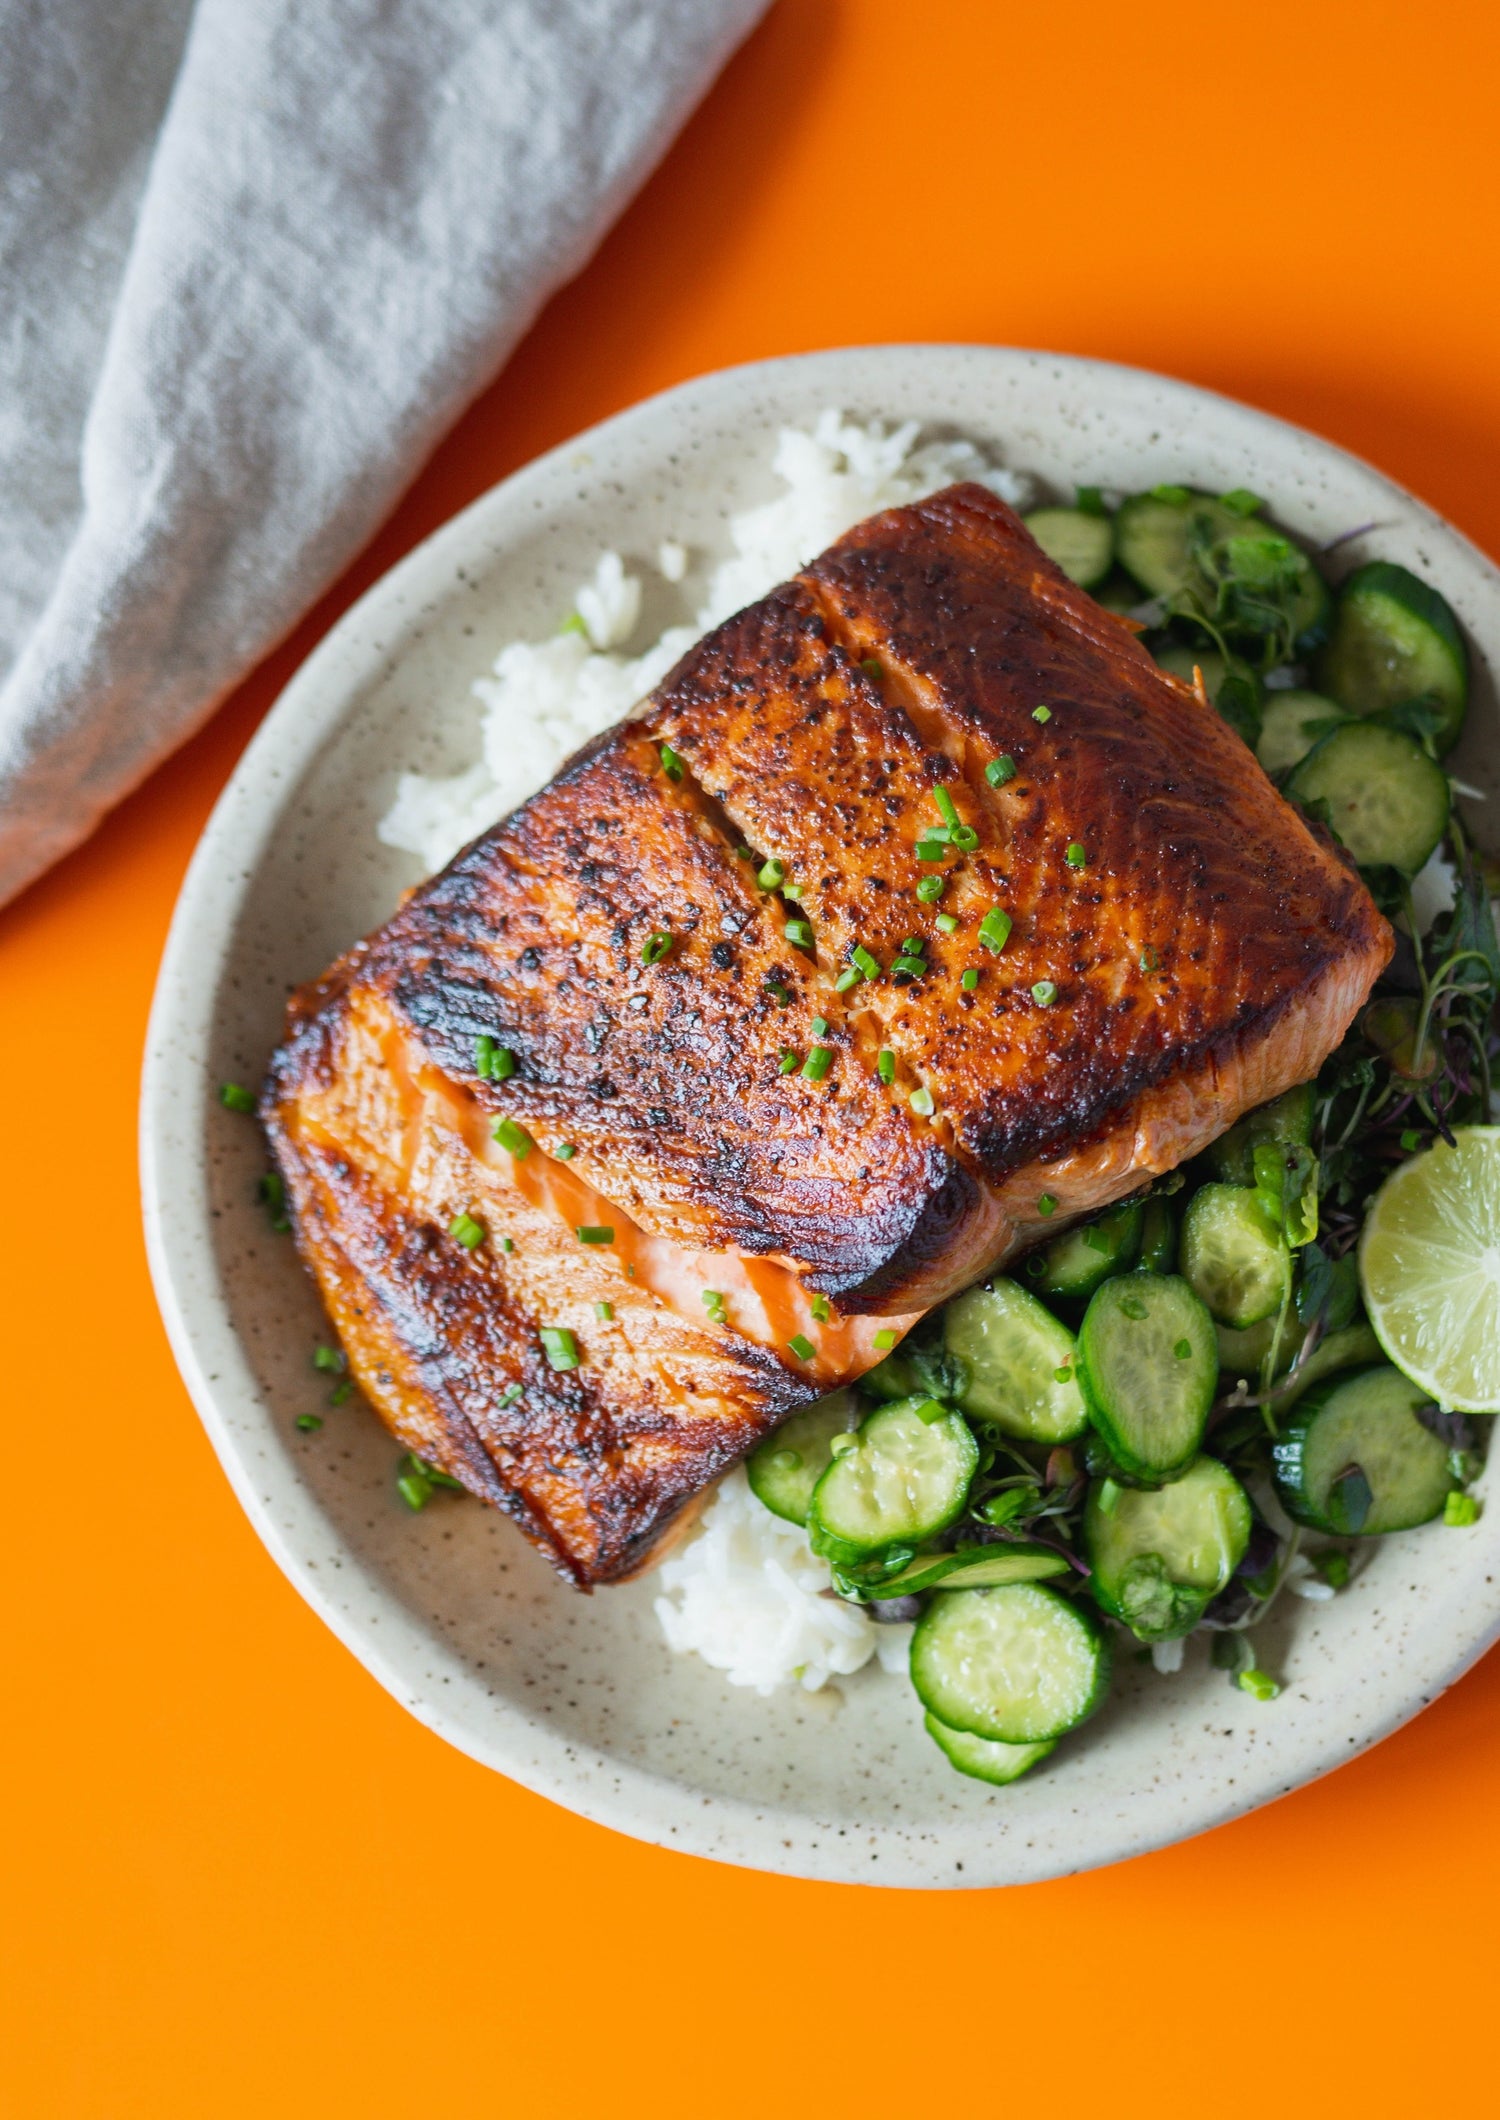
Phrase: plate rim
pixel 607 1790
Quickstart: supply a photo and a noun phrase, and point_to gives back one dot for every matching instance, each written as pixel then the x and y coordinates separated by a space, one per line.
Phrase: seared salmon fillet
pixel 749 1123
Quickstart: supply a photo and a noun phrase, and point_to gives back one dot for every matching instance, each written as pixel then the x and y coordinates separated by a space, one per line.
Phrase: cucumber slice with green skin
pixel 905 1477
pixel 1356 1461
pixel 1351 1348
pixel 1233 1255
pixel 1158 1253
pixel 1286 1122
pixel 1387 800
pixel 985 1758
pixel 1080 1260
pixel 1395 639
pixel 1019 1664
pixel 1241 1354
pixel 1082 545
pixel 1149 1365
pixel 1019 1362
pixel 1162 541
pixel 890 1379
pixel 1291 723
pixel 1159 1555
pixel 969 1568
pixel 787 1466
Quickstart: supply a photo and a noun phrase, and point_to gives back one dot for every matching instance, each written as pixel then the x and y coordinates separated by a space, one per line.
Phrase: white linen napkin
pixel 255 257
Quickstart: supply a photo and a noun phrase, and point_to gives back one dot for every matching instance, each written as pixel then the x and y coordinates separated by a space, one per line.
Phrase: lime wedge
pixel 1429 1264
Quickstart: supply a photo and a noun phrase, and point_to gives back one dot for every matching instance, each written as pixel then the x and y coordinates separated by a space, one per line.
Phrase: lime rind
pixel 1429 1265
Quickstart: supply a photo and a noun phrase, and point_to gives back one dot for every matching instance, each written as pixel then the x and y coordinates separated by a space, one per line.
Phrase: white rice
pixel 547 697
pixel 749 1596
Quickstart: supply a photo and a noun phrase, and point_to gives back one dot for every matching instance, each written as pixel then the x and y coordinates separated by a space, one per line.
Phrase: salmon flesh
pixel 754 1123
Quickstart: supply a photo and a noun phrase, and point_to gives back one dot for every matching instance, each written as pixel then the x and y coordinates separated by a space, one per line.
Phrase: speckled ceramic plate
pixel 577 1697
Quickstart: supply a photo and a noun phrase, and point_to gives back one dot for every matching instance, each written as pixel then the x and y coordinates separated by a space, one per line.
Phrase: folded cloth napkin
pixel 255 257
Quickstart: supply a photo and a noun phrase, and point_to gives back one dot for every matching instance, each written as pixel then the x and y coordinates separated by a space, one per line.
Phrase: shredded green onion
pixel 331 1359
pixel 713 1303
pixel 871 666
pixel 820 1309
pixel 995 928
pixel 847 978
pixel 514 1137
pixel 885 1340
pixel 772 876
pixel 885 1066
pixel 866 963
pixel 671 763
pixel 605 1313
pixel 817 1063
pixel 309 1423
pixel 235 1097
pixel 658 945
pixel 559 1346
pixel 800 934
pixel 1041 713
pixel 947 924
pixel 1076 857
pixel 970 980
pixel 596 1233
pixel 1149 961
pixel 802 1347
pixel 921 1102
pixel 1046 1205
pixel 999 771
pixel 965 838
pixel 1259 1684
pixel 946 807
pixel 820 1026
pixel 566 1152
pixel 1044 993
pixel 511 1393
pixel 930 889
pixel 788 1063
pixel 469 1232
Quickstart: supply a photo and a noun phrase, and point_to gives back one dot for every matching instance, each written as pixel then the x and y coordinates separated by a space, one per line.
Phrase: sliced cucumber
pixel 1234 1257
pixel 985 1758
pixel 1233 687
pixel 787 1466
pixel 890 1379
pixel 1291 723
pixel 1018 1664
pixel 904 1478
pixel 1082 545
pixel 1076 1263
pixel 1241 1354
pixel 1159 1555
pixel 1355 1460
pixel 1286 1122
pixel 1386 799
pixel 1395 639
pixel 1158 1253
pixel 969 1568
pixel 1350 1348
pixel 1182 545
pixel 1149 1365
pixel 1018 1362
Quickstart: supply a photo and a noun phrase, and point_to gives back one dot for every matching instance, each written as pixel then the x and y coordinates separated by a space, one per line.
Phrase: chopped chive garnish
pixel 412 1488
pixel 1176 495
pixel 871 666
pixel 930 849
pixel 1041 713
pixel 970 980
pixel 510 1394
pixel 1108 1498
pixel 921 1102
pixel 802 1347
pixel 1460 1509
pixel 930 889
pixel 559 1346
pixel 820 1309
pixel 1076 857
pixel 671 763
pixel 573 623
pixel 861 957
pixel 657 946
pixel 800 934
pixel 914 945
pixel 235 1097
pixel 1183 1350
pixel 908 967
pixel 1149 961
pixel 947 924
pixel 1063 1375
pixel 332 1359
pixel 1044 993
pixel 744 854
pixel 999 771
pixel 493 1062
pixel 469 1232
pixel 713 1303
pixel 846 978
pixel 817 1063
pixel 965 838
pixel 1259 1684
pixel 820 1026
pixel 946 807
pixel 341 1391
pixel 1411 1140
pixel 885 1066
pixel 792 891
pixel 1241 501
pixel 885 1340
pixel 605 1313
pixel 309 1423
pixel 1088 500
pixel 782 993
pixel 1046 1205
pixel 788 1063
pixel 566 1152
pixel 507 1244
pixel 994 929
pixel 596 1233
pixel 271 1193
pixel 514 1137
pixel 772 876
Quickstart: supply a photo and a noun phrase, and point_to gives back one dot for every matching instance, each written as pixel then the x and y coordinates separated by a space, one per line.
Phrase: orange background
pixel 238 1878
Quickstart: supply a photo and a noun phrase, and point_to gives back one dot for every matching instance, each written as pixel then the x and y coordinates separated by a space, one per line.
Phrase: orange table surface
pixel 238 1879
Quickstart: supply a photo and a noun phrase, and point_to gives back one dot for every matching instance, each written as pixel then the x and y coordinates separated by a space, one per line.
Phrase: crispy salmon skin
pixel 747 1122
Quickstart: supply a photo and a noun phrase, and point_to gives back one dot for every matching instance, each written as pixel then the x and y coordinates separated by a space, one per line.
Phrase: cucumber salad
pixel 1150 1425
